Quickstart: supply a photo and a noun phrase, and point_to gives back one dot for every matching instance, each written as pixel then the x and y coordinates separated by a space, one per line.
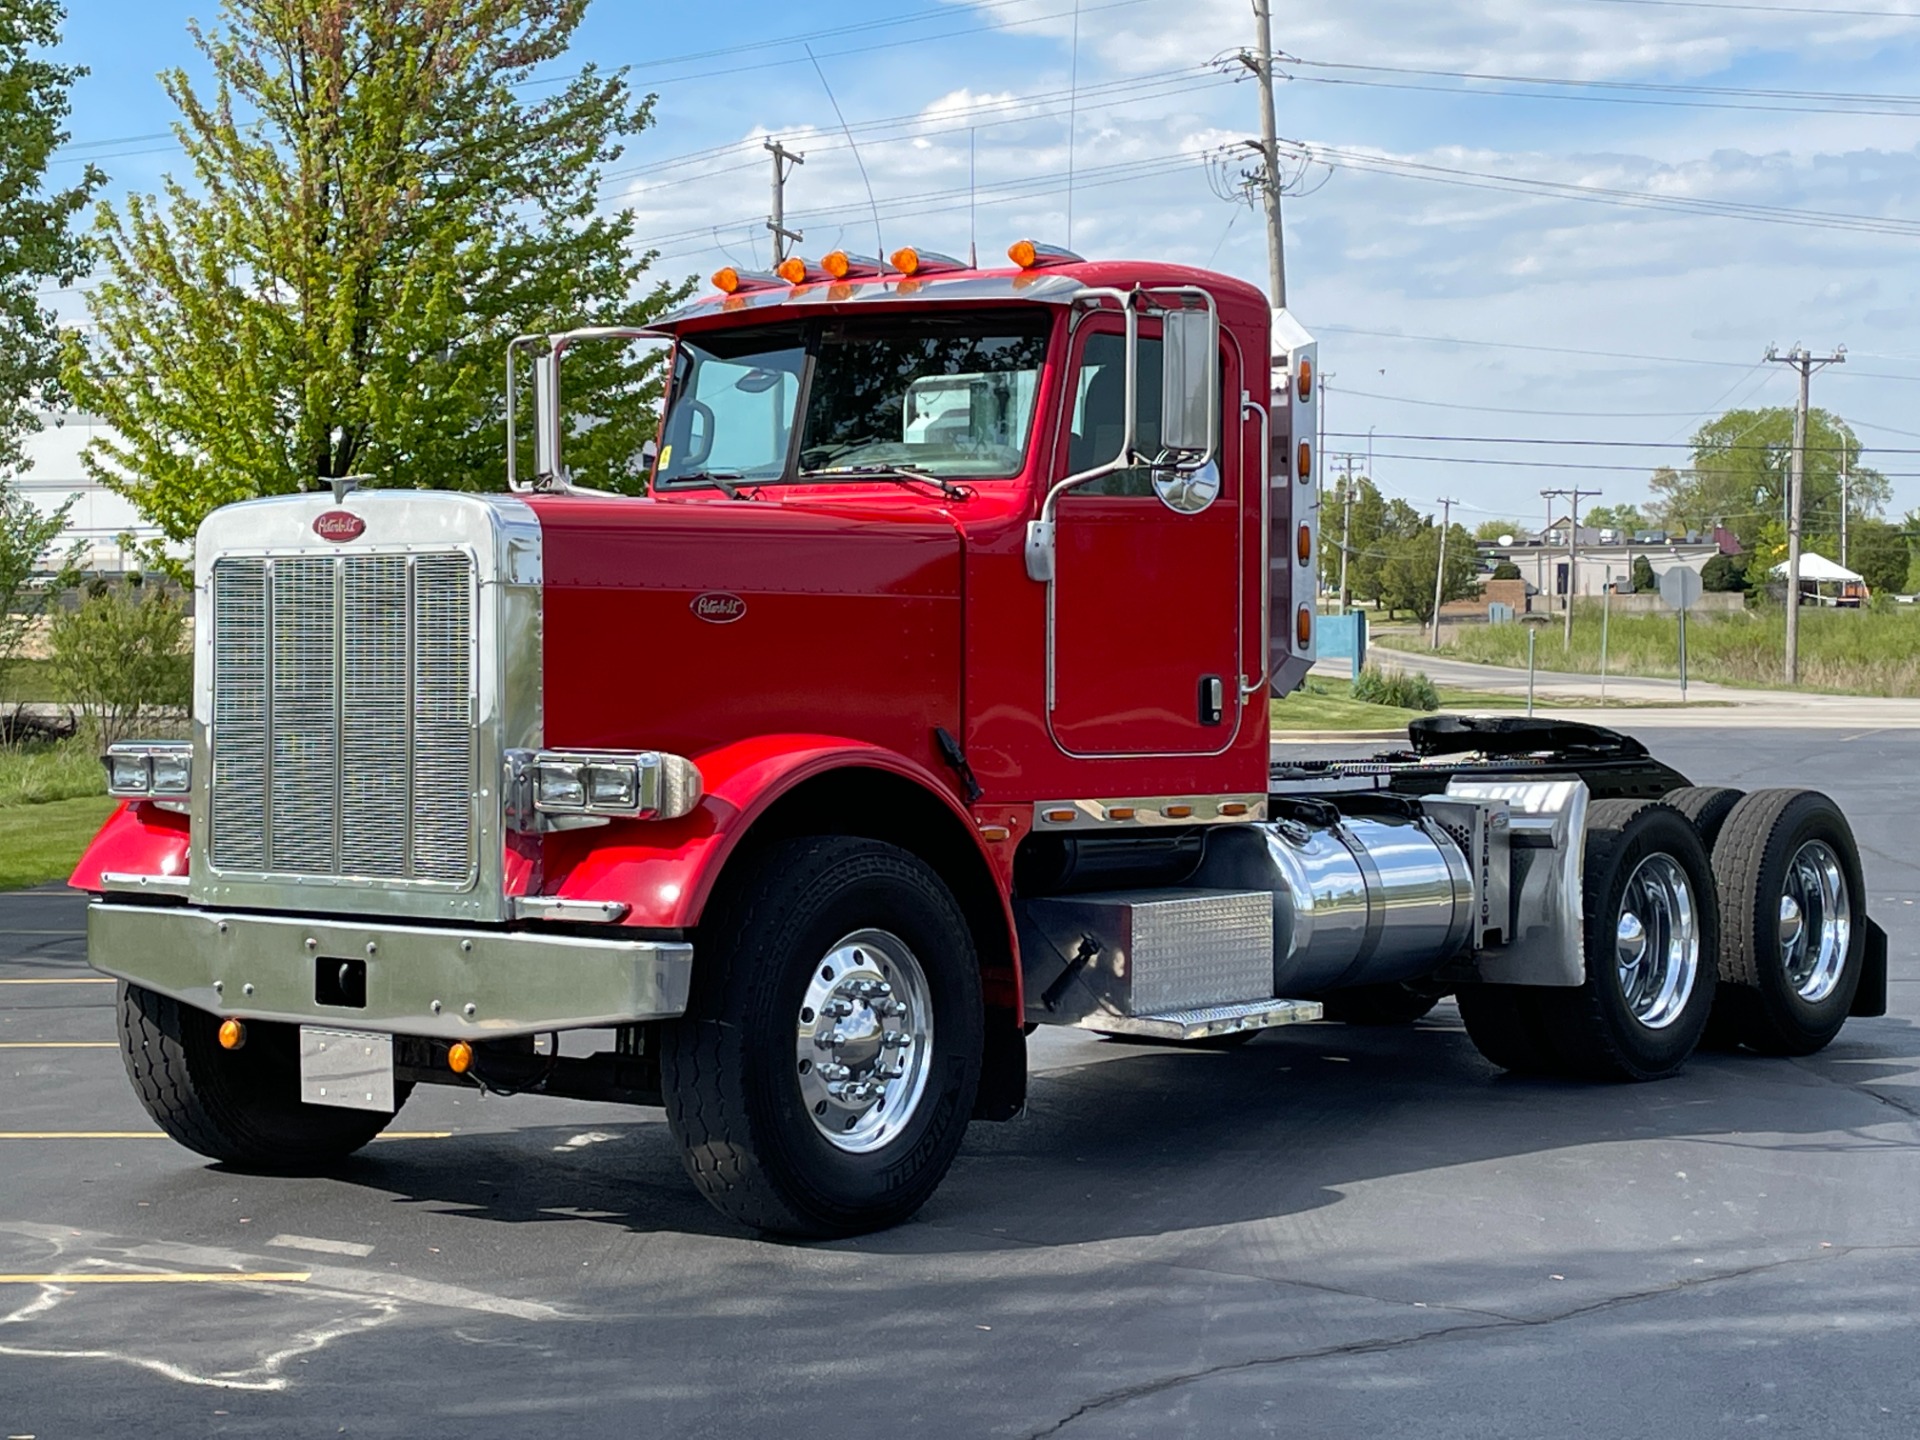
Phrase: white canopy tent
pixel 1819 569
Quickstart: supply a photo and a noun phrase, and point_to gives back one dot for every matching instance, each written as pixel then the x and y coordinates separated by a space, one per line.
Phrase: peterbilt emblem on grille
pixel 718 607
pixel 339 526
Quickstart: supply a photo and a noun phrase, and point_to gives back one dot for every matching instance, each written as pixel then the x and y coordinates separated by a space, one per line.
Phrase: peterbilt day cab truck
pixel 922 700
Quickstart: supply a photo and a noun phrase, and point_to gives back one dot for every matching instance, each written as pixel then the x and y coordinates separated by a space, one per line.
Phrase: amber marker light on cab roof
pixel 729 280
pixel 909 261
pixel 1031 255
pixel 845 265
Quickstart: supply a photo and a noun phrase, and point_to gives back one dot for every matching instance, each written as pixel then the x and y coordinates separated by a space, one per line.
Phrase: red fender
pixel 137 839
pixel 666 869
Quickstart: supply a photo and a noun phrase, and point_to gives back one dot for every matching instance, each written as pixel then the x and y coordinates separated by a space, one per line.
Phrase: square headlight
pixel 613 787
pixel 129 772
pixel 172 772
pixel 559 785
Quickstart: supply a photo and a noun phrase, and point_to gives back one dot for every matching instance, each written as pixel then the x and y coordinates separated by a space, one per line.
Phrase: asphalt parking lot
pixel 1332 1232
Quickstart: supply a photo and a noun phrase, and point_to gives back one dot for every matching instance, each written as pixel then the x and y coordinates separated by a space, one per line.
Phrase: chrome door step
pixel 1206 1020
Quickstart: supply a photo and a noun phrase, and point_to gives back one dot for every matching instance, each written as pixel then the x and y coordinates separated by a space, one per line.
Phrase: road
pixel 1332 1232
pixel 1655 703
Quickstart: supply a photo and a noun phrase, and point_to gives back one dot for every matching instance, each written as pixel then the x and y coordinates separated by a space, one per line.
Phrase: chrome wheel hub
pixel 1816 922
pixel 1657 942
pixel 864 1041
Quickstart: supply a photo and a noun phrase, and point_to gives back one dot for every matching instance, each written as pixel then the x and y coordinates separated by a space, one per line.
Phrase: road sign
pixel 1680 587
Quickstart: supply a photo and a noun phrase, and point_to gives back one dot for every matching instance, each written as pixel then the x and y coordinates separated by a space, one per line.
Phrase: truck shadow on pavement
pixel 1138 1142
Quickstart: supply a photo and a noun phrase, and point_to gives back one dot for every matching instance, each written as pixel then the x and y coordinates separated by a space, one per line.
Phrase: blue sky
pixel 1445 309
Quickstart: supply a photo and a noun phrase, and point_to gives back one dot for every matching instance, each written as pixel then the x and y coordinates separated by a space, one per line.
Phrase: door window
pixel 1100 413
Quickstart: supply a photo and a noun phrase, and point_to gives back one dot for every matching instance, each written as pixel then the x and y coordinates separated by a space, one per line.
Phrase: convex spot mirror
pixel 1187 492
pixel 1190 384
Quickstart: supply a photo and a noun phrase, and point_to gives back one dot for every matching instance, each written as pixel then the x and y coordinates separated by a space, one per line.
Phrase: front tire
pixel 821 1081
pixel 1795 939
pixel 241 1106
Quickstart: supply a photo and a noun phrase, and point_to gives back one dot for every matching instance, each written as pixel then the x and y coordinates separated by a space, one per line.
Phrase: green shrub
pixel 1506 570
pixel 1403 689
pixel 121 657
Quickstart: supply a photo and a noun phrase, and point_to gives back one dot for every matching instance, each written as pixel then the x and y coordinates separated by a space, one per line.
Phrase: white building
pixel 100 520
pixel 1601 557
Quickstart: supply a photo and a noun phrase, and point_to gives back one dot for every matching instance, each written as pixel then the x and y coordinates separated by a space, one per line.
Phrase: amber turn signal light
pixel 459 1057
pixel 232 1034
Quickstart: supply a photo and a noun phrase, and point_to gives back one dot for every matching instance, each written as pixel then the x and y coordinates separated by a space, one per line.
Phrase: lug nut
pixel 834 1072
pixel 896 1039
pixel 831 1040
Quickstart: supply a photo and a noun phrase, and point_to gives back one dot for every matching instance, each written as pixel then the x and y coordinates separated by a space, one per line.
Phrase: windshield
pixel 944 395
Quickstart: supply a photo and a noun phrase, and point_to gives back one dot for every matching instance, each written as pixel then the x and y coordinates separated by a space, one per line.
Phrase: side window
pixel 1100 413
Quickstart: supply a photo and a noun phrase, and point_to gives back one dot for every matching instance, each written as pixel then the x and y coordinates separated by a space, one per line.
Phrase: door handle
pixel 1213 700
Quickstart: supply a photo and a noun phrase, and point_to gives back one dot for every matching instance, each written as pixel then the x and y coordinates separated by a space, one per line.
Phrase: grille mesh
pixel 343 732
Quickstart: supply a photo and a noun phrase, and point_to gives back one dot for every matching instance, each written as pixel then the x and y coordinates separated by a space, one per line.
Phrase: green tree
pixel 1723 574
pixel 1407 576
pixel 1741 465
pixel 121 657
pixel 1624 518
pixel 1494 529
pixel 38 248
pixel 1880 553
pixel 30 575
pixel 382 202
pixel 1644 579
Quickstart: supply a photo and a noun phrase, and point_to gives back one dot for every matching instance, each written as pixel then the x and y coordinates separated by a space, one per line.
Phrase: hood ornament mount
pixel 345 485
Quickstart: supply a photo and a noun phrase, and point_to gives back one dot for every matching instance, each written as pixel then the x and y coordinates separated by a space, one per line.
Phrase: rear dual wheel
pixel 1652 937
pixel 1795 938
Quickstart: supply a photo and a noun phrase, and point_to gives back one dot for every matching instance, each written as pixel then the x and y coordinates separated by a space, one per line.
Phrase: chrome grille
pixel 342 729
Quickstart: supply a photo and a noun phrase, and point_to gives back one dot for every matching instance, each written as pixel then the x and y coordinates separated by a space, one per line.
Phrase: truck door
pixel 1144 645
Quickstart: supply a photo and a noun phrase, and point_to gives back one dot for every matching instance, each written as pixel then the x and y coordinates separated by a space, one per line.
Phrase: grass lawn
pixel 42 843
pixel 56 770
pixel 1851 652
pixel 1321 705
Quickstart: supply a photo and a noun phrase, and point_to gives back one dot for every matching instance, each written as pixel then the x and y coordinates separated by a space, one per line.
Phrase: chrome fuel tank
pixel 1357 899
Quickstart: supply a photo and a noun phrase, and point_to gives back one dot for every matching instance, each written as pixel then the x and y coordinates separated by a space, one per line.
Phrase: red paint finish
pixel 137 839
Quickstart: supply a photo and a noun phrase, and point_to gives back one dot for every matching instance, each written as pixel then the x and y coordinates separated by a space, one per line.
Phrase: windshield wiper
pixel 904 474
pixel 720 480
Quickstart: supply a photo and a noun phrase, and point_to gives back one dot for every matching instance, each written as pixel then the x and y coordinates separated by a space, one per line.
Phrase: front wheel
pixel 822 1079
pixel 239 1106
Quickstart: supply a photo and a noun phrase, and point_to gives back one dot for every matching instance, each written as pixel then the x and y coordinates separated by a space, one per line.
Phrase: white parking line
pixel 323 1247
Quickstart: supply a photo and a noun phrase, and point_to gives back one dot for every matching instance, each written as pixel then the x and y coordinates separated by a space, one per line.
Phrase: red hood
pixel 683 626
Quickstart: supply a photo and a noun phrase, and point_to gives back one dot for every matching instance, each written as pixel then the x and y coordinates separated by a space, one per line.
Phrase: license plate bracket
pixel 350 1069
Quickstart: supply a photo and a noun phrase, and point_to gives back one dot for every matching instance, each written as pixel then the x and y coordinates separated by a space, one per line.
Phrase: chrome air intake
pixel 361 668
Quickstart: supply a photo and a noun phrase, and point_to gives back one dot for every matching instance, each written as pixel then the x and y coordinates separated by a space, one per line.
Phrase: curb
pixel 1325 737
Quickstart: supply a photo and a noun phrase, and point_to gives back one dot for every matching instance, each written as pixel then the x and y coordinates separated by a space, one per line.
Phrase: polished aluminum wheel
pixel 865 1040
pixel 1657 942
pixel 1816 921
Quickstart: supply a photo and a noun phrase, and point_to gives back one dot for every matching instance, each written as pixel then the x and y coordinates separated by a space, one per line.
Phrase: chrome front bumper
pixel 443 982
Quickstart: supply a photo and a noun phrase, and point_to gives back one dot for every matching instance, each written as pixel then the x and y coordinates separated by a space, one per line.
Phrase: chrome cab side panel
pixel 501 535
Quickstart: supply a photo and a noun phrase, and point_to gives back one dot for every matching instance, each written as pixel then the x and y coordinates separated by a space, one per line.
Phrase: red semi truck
pixel 921 701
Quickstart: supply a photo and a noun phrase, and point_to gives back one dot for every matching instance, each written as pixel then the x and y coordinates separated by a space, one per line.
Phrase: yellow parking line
pixel 161 1135
pixel 58 1045
pixel 164 1277
pixel 74 980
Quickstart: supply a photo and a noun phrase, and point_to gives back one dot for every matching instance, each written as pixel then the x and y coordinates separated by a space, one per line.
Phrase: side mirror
pixel 649 454
pixel 546 417
pixel 1190 383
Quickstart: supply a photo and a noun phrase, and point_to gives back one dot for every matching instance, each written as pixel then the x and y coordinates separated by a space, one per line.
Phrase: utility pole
pixel 783 162
pixel 1844 457
pixel 1346 528
pixel 1440 570
pixel 1573 552
pixel 1261 64
pixel 1805 364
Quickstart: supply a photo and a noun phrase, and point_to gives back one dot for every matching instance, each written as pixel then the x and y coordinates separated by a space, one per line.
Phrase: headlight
pixel 585 787
pixel 160 770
